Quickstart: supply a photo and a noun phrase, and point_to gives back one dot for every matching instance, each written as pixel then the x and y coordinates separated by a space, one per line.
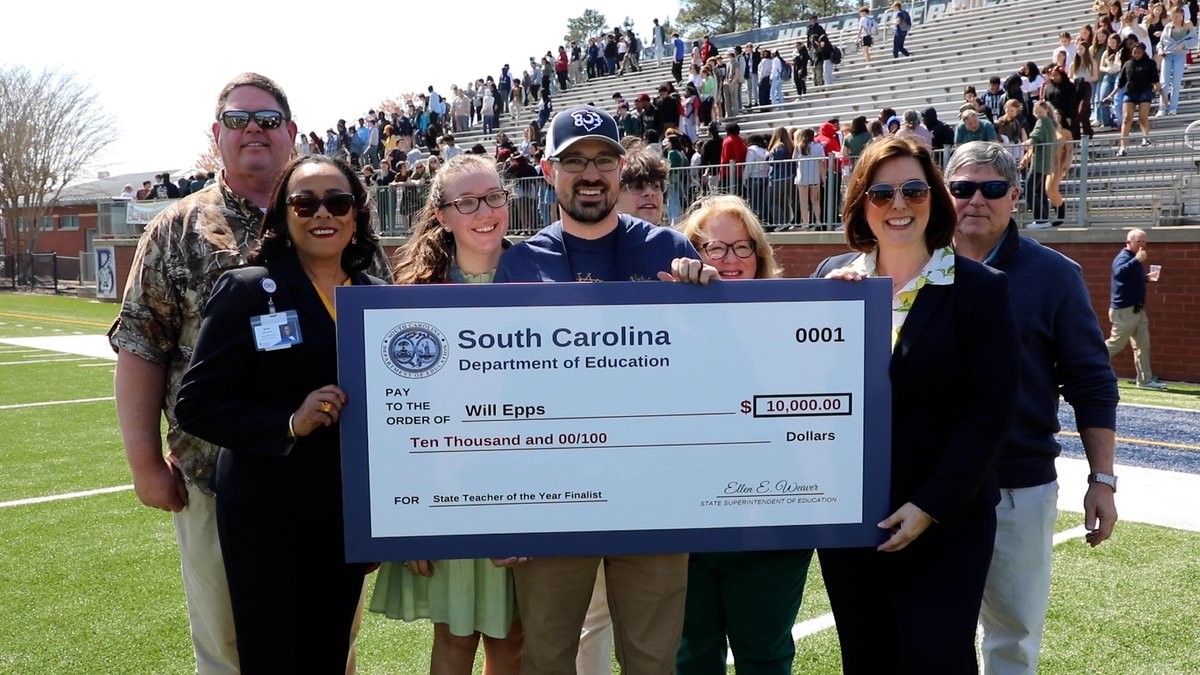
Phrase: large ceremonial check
pixel 497 420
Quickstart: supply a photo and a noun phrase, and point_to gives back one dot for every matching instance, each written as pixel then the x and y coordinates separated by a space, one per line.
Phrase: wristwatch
pixel 1105 478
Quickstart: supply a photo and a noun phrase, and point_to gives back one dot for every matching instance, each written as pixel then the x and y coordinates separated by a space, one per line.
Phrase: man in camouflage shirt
pixel 179 258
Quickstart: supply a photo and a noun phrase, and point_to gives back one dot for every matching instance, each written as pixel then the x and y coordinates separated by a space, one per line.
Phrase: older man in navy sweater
pixel 1062 351
pixel 1127 312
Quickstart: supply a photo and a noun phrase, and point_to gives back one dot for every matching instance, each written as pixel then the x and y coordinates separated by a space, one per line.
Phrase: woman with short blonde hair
pixel 699 218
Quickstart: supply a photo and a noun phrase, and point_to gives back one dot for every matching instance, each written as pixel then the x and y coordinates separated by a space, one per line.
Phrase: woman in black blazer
pixel 911 605
pixel 262 385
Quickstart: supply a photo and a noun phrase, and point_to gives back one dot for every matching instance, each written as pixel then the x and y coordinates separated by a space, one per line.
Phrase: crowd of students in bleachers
pixel 1104 77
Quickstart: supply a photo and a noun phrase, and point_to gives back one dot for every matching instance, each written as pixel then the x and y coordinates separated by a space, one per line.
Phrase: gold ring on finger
pixel 326 406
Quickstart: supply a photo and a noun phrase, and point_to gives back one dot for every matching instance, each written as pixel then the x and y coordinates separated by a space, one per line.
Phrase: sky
pixel 157 67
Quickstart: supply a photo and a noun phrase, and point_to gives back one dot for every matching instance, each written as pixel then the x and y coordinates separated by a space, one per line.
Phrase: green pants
pixel 751 598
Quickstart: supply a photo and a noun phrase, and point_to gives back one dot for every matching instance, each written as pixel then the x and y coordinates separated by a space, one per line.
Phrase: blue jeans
pixel 612 65
pixel 674 203
pixel 1118 105
pixel 1104 113
pixel 777 91
pixel 547 201
pixel 488 121
pixel 756 187
pixel 898 44
pixel 1172 78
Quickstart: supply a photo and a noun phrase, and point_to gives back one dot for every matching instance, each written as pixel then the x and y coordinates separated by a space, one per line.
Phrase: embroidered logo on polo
pixel 415 350
pixel 587 119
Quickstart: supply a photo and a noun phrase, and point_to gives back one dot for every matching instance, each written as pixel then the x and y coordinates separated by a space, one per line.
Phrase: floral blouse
pixel 938 271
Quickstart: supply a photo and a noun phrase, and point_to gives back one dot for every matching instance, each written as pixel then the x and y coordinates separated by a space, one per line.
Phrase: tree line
pixel 698 17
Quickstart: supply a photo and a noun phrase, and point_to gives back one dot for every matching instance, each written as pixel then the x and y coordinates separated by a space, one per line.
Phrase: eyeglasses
pixel 240 119
pixel 603 163
pixel 716 250
pixel 306 206
pixel 965 189
pixel 914 191
pixel 470 204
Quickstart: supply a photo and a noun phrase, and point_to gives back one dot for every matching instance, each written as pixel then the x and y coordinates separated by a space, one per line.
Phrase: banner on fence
pixel 141 213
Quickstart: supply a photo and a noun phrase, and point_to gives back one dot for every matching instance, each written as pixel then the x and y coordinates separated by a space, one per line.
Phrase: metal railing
pixel 1149 186
pixel 34 270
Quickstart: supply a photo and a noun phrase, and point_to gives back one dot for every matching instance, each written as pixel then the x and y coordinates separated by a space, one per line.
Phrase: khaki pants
pixel 646 596
pixel 731 99
pixel 204 583
pixel 1127 326
pixel 1018 583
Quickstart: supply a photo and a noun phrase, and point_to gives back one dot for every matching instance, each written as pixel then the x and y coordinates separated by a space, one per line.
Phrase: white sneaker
pixel 1155 384
pixel 1038 225
pixel 1145 142
pixel 1161 113
pixel 1121 152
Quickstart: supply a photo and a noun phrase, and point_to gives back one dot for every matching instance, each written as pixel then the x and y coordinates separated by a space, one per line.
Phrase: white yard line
pixel 808 627
pixel 1068 535
pixel 1159 407
pixel 69 495
pixel 80 345
pixel 26 363
pixel 16 406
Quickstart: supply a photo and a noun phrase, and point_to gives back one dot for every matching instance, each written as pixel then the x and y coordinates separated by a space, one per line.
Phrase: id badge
pixel 276 331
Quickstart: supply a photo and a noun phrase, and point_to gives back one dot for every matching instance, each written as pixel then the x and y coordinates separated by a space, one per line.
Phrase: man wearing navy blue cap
pixel 593 242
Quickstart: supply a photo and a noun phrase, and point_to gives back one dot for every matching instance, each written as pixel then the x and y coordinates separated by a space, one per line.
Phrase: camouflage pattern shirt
pixel 179 258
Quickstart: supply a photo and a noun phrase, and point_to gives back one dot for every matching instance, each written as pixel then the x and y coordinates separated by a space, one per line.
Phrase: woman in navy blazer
pixel 911 605
pixel 272 403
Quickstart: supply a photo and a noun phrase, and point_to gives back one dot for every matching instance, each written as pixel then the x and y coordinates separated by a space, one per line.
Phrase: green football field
pixel 90 584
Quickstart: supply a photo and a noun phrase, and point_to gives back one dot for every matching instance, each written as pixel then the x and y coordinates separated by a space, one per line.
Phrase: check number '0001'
pixel 818 335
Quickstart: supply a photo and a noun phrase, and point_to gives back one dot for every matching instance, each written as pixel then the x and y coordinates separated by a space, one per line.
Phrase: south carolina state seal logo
pixel 415 350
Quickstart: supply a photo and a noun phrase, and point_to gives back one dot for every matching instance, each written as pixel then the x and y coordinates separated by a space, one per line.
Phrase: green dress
pixel 466 595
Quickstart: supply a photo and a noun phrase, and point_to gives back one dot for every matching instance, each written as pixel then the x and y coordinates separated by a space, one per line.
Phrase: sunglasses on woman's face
pixel 965 189
pixel 306 206
pixel 240 119
pixel 914 192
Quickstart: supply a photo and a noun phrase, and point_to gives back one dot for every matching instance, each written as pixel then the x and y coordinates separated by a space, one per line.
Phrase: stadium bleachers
pixel 1158 184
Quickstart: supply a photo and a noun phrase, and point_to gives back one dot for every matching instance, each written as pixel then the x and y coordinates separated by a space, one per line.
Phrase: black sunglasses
pixel 240 119
pixel 306 206
pixel 914 191
pixel 965 189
